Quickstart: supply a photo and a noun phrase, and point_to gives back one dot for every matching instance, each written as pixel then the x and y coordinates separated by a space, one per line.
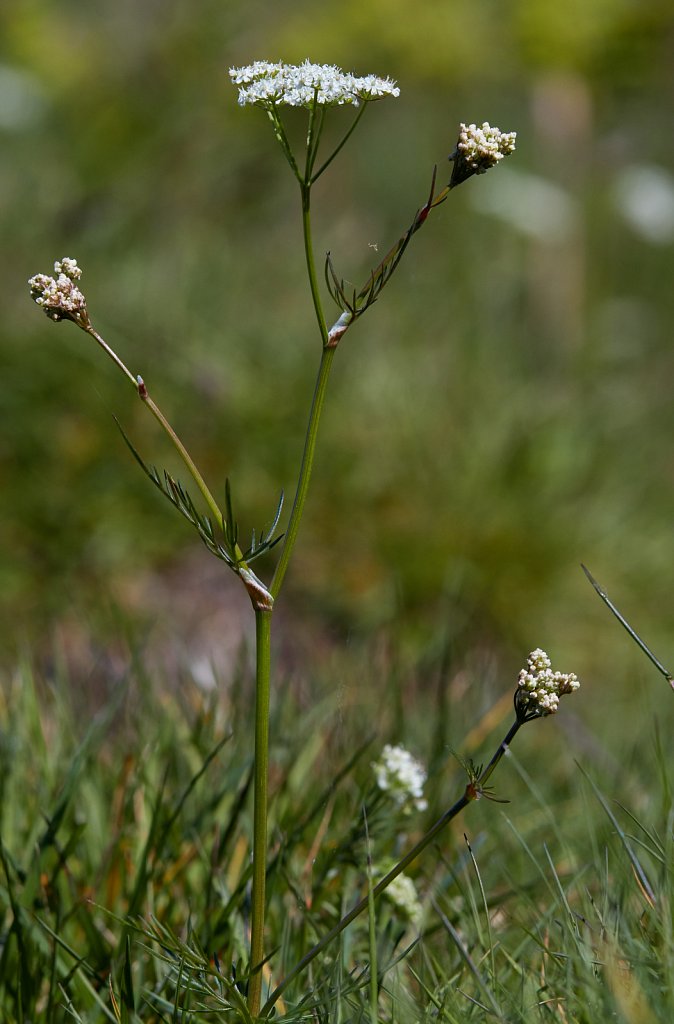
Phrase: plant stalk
pixel 316 407
pixel 141 389
pixel 262 679
pixel 309 257
pixel 472 792
pixel 305 471
pixel 263 617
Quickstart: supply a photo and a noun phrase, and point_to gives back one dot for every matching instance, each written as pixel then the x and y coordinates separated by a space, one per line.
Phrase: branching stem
pixel 472 792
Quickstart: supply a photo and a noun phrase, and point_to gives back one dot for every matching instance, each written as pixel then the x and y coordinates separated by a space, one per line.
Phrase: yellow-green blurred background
pixel 503 413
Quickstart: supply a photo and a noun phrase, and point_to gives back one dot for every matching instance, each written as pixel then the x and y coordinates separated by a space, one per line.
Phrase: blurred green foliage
pixel 502 414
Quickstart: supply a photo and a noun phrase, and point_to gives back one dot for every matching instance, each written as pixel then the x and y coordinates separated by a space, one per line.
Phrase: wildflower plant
pixel 314 89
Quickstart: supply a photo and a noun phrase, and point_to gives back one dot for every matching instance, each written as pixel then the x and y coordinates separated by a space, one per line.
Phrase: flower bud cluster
pixel 539 688
pixel 478 149
pixel 60 297
pixel 301 85
pixel 400 775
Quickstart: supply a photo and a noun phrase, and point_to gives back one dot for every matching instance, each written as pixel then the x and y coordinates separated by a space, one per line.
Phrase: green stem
pixel 186 457
pixel 363 904
pixel 141 389
pixel 305 471
pixel 113 355
pixel 262 678
pixel 372 926
pixel 282 138
pixel 316 116
pixel 503 746
pixel 309 256
pixel 326 163
pixel 471 793
pixel 316 407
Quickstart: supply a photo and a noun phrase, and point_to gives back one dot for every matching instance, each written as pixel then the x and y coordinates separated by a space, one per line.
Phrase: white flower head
pixel 539 688
pixel 59 296
pixel 402 777
pixel 478 149
pixel 302 85
pixel 402 893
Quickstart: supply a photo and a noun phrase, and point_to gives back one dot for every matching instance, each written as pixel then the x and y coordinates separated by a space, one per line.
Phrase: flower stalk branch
pixel 536 696
pixel 61 299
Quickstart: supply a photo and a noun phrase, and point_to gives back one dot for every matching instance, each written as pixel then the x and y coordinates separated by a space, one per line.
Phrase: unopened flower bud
pixel 539 688
pixel 478 149
pixel 59 296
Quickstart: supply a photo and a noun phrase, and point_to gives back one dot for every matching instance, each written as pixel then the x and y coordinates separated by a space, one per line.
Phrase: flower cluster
pixel 60 297
pixel 402 893
pixel 402 776
pixel 478 149
pixel 539 688
pixel 302 85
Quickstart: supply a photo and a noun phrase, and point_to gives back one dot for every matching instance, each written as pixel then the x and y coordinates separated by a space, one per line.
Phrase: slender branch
pixel 472 792
pixel 182 451
pixel 362 904
pixel 326 163
pixel 316 116
pixel 113 355
pixel 309 257
pixel 141 389
pixel 282 138
pixel 505 743
pixel 259 595
pixel 316 405
pixel 305 471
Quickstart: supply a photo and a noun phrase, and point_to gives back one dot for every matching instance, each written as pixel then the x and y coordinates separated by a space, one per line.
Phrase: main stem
pixel 262 677
pixel 263 629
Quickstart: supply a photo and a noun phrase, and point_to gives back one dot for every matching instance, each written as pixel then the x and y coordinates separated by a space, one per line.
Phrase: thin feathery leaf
pixel 181 499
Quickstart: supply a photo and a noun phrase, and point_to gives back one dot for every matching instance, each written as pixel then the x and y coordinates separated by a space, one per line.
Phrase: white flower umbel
pixel 539 688
pixel 59 296
pixel 302 85
pixel 478 149
pixel 402 893
pixel 402 777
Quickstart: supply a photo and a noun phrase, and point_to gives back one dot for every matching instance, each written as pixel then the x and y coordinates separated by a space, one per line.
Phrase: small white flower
pixel 539 688
pixel 402 893
pixel 60 297
pixel 301 85
pixel 402 777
